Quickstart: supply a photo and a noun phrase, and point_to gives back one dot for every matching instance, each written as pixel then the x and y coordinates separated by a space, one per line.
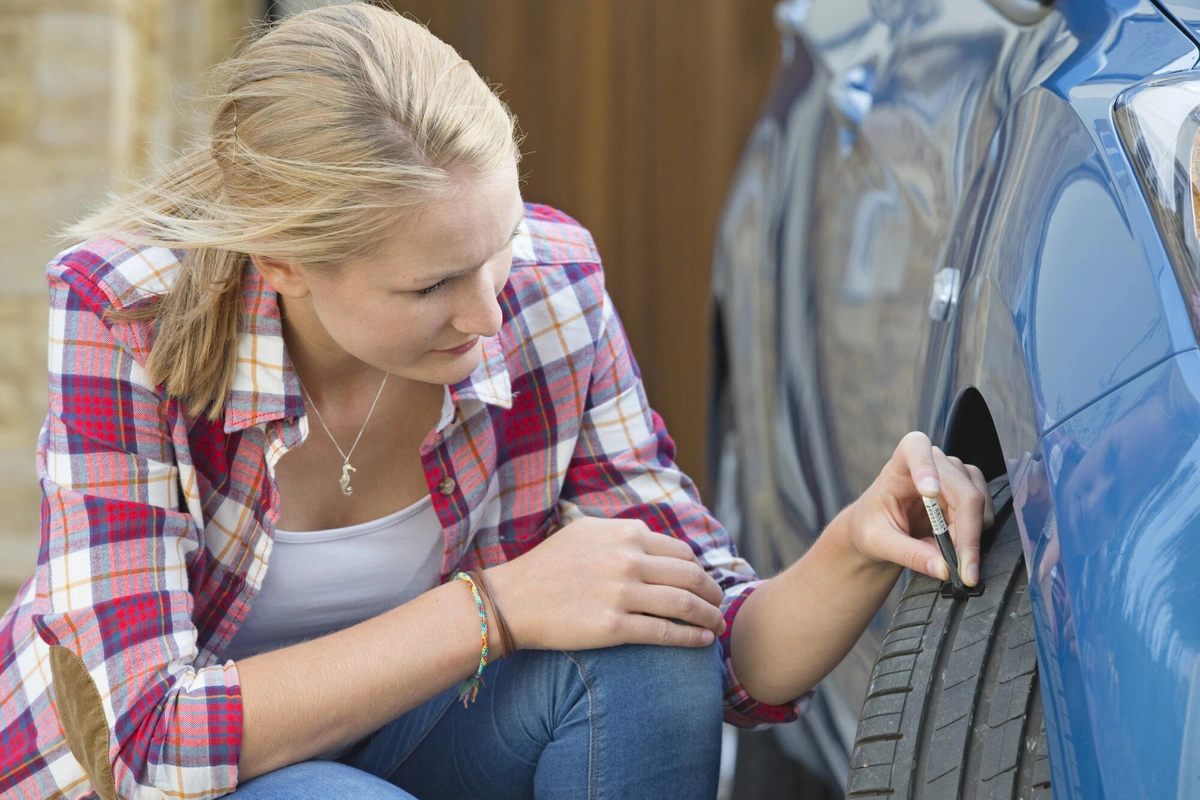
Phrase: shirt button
pixel 446 486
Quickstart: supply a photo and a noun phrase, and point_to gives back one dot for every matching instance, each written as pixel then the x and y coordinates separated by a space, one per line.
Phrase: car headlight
pixel 1159 123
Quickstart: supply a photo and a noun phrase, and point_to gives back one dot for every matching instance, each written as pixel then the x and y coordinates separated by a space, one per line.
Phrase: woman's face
pixel 432 289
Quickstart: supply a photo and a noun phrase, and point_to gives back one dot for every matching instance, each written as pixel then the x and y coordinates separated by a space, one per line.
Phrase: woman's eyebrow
pixel 431 280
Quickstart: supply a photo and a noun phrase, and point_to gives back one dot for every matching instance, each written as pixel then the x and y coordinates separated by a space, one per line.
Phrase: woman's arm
pixel 303 700
pixel 623 467
pixel 113 601
pixel 797 626
pixel 592 584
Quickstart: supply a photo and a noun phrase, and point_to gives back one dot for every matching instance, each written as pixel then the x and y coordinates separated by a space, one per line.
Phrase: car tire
pixel 953 709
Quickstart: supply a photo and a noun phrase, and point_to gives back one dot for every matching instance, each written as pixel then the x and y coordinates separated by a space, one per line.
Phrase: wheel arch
pixel 971 434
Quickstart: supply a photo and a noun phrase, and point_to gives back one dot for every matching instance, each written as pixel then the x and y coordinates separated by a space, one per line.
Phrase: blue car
pixel 978 218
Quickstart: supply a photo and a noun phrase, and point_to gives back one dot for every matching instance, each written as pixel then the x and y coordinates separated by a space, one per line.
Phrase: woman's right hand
pixel 593 583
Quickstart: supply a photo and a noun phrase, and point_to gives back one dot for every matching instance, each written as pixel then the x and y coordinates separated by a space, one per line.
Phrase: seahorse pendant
pixel 347 489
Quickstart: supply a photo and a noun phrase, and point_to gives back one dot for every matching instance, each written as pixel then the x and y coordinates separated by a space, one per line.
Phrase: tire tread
pixel 953 709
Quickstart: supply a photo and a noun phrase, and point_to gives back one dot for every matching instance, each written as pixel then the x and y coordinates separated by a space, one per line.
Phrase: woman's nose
pixel 479 312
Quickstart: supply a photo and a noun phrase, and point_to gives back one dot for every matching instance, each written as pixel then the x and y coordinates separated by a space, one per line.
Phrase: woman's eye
pixel 428 290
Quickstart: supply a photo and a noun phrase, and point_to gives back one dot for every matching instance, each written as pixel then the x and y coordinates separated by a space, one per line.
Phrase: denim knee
pixel 318 780
pixel 675 687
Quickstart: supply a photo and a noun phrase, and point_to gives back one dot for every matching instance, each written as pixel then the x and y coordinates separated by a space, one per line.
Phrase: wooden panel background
pixel 634 112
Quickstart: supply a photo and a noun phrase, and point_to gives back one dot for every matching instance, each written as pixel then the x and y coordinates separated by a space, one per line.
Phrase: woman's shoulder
pixel 114 272
pixel 550 237
pixel 554 256
pixel 556 272
pixel 555 299
pixel 93 278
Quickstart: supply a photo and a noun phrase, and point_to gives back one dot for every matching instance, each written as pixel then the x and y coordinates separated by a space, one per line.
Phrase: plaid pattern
pixel 157 527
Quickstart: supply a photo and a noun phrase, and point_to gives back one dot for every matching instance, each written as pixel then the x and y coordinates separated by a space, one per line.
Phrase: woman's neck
pixel 325 369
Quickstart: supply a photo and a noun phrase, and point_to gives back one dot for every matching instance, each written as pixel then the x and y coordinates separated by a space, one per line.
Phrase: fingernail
pixel 973 574
pixel 706 637
pixel 930 485
pixel 937 568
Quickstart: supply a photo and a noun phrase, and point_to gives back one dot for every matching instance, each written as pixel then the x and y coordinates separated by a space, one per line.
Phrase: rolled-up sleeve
pixel 113 566
pixel 624 466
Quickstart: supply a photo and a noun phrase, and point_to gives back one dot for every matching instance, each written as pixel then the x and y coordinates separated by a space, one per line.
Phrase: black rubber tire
pixel 953 709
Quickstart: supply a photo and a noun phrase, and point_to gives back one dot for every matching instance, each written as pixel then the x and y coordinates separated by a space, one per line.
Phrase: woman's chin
pixel 452 369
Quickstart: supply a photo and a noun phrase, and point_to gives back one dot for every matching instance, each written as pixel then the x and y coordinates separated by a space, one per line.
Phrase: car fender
pixel 1071 326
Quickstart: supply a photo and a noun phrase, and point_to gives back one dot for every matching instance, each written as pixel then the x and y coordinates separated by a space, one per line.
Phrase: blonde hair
pixel 327 129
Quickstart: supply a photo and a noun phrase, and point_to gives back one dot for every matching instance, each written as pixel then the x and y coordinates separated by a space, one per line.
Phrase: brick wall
pixel 91 91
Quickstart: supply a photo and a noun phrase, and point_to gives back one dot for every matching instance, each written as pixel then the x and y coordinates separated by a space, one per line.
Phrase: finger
pixel 977 478
pixel 919 555
pixel 676 572
pixel 966 503
pixel 663 544
pixel 640 629
pixel 690 577
pixel 674 603
pixel 916 453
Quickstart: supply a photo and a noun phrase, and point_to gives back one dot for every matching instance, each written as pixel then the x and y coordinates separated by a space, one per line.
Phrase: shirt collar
pixel 265 387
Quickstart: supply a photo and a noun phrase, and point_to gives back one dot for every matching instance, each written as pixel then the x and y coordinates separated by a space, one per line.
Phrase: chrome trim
pixel 946 285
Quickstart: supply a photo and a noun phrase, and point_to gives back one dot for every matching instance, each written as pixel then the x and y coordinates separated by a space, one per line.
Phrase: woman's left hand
pixel 889 522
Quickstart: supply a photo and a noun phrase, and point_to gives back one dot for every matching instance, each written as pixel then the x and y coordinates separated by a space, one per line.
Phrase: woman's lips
pixel 461 349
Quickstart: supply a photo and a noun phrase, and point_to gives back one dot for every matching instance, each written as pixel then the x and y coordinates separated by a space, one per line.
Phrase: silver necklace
pixel 346 468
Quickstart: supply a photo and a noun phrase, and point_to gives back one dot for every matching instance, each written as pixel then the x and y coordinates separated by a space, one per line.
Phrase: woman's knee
pixel 672 684
pixel 318 780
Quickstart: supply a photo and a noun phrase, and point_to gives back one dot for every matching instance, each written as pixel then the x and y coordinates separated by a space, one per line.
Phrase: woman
pixel 231 599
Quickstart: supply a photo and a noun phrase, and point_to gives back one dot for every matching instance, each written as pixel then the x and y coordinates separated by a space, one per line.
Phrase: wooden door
pixel 634 112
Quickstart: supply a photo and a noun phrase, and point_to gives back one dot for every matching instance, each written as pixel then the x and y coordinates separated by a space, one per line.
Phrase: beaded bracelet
pixel 498 622
pixel 470 687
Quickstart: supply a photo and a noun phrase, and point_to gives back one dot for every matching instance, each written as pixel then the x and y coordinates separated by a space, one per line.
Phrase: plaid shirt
pixel 157 526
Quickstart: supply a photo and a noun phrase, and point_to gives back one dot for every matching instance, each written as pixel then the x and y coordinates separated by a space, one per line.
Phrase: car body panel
pixel 977 144
pixel 1073 298
pixel 1114 584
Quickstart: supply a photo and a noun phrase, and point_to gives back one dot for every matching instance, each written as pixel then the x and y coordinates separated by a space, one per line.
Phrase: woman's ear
pixel 287 278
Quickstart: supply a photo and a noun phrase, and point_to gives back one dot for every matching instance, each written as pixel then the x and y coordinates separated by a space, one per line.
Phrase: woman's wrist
pixel 842 535
pixel 502 643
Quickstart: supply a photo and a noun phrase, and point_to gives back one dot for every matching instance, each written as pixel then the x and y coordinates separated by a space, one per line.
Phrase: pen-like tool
pixel 955 587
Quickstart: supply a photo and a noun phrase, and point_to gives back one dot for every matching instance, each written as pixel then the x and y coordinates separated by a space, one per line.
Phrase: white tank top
pixel 318 582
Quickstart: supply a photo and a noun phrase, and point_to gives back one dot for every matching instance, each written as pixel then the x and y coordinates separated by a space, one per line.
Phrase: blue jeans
pixel 629 722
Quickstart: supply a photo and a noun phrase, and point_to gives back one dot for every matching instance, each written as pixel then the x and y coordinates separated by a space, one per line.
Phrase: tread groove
pixel 982 741
pixel 898 654
pixel 925 730
pixel 1028 755
pixel 880 737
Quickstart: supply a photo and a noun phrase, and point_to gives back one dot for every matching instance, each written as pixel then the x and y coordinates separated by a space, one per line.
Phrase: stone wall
pixel 91 92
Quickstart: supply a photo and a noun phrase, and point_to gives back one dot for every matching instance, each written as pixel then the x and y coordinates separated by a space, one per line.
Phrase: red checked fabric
pixel 157 527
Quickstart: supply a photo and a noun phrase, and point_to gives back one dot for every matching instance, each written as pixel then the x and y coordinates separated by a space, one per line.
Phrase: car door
pixel 915 95
pixel 907 98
